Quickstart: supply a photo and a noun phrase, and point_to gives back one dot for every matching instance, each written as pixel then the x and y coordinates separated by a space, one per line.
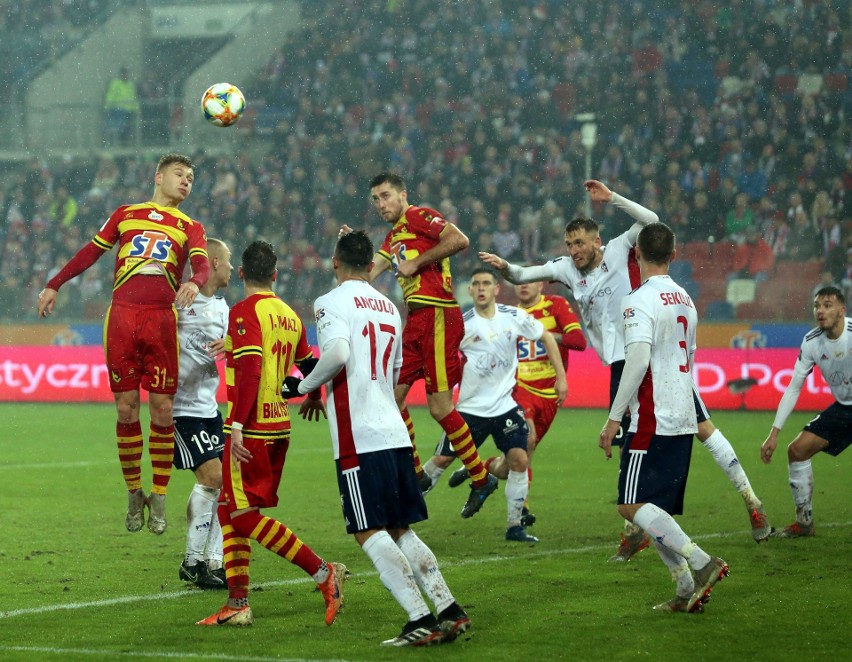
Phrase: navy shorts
pixel 198 440
pixel 657 475
pixel 835 426
pixel 509 430
pixel 616 368
pixel 381 492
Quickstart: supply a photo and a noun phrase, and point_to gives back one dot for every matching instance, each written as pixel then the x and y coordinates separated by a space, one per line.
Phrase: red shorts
pixel 141 347
pixel 430 348
pixel 254 483
pixel 540 411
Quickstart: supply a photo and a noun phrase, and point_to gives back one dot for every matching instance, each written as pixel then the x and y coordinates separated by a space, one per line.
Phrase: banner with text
pixel 78 374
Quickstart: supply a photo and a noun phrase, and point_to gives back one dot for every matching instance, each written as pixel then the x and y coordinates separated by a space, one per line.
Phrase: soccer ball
pixel 223 104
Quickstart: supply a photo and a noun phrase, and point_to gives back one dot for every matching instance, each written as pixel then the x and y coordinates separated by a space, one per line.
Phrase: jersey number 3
pixel 683 367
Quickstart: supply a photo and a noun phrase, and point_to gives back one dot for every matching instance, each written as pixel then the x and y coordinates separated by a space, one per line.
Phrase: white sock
pixel 396 574
pixel 802 487
pixel 213 553
pixel 200 512
pixel 663 529
pixel 677 565
pixel 725 456
pixel 517 488
pixel 427 574
pixel 433 471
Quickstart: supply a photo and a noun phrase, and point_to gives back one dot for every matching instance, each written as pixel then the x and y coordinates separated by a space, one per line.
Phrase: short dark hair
pixel 355 250
pixel 831 291
pixel 586 224
pixel 392 178
pixel 169 159
pixel 259 262
pixel 657 243
pixel 486 270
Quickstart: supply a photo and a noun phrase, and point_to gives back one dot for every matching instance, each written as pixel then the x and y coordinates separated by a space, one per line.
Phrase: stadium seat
pixel 681 271
pixel 740 290
pixel 719 311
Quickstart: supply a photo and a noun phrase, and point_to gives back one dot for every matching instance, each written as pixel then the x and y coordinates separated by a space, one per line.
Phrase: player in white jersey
pixel 598 277
pixel 360 337
pixel 829 347
pixel 198 423
pixel 659 334
pixel 490 349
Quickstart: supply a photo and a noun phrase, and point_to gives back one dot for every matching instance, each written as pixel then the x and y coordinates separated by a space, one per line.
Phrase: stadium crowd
pixel 730 120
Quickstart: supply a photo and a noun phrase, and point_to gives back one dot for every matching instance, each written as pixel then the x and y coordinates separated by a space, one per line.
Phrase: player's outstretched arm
pixel 515 274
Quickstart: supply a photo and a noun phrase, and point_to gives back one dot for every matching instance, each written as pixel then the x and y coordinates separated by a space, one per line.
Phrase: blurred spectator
pixel 739 219
pixel 121 109
pixel 63 208
pixel 802 241
pixel 753 258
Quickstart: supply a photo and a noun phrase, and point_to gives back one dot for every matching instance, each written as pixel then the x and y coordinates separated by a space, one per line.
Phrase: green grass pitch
pixel 77 586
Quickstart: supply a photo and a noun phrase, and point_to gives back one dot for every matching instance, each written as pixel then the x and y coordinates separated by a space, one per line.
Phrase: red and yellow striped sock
pixel 161 448
pixel 237 557
pixel 409 424
pixel 277 538
pixel 462 442
pixel 129 436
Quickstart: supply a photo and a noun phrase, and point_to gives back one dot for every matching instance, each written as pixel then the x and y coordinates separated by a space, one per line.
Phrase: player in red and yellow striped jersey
pixel 418 249
pixel 154 243
pixel 536 377
pixel 535 391
pixel 265 339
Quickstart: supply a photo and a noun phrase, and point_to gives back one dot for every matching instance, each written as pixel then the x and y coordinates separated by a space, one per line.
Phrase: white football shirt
pixel 362 411
pixel 490 348
pixel 660 312
pixel 204 321
pixel 598 293
pixel 834 359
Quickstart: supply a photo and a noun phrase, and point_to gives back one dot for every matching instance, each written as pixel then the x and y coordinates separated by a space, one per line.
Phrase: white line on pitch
pixel 163 654
pixel 304 580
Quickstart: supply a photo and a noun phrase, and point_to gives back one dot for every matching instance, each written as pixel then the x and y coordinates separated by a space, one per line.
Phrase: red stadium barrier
pixel 78 374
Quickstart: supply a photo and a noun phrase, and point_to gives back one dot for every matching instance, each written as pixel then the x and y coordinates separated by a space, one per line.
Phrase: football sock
pixel 237 553
pixel 517 486
pixel 161 448
pixel 802 487
pixel 213 552
pixel 409 425
pixel 663 529
pixel 427 574
pixel 277 538
pixel 396 574
pixel 677 565
pixel 200 513
pixel 462 442
pixel 433 471
pixel 726 457
pixel 130 444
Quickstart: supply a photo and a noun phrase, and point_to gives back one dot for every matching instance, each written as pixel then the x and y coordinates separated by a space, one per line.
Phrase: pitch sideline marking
pixel 370 573
pixel 163 654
